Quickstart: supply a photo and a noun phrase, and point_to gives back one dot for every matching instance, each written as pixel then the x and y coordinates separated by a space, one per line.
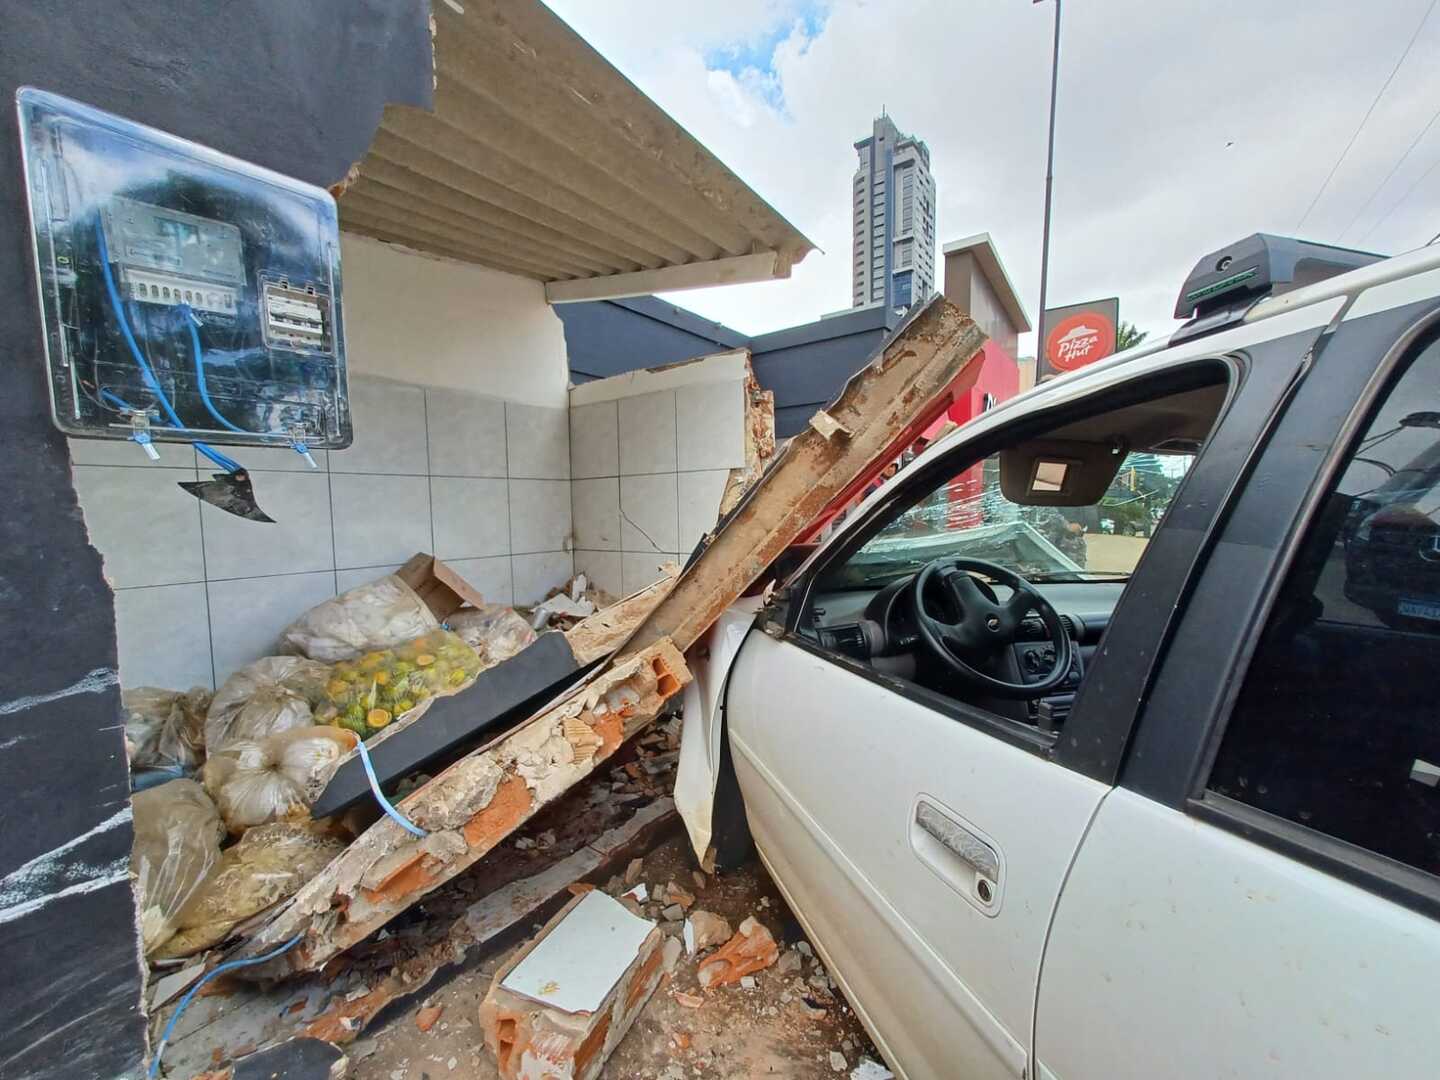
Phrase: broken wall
pixel 651 451
pixel 71 993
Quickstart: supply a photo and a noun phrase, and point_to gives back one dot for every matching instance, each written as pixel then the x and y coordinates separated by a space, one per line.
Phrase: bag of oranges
pixel 367 694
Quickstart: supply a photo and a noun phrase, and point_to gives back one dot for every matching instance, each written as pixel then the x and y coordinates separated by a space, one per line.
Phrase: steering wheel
pixel 984 625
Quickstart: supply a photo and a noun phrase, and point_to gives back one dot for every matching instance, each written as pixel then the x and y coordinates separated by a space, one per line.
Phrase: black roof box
pixel 1259 266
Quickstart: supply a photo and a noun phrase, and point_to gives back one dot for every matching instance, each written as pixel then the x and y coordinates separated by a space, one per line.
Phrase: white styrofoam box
pixel 471 516
pixel 125 452
pixel 700 494
pixel 266 459
pixel 379 519
pixel 595 440
pixel 602 568
pixel 536 574
pixel 710 425
pixel 539 515
pixel 640 569
pixel 491 577
pixel 467 433
pixel 146 528
pixel 298 540
pixel 538 439
pixel 648 513
pixel 647 434
pixel 163 637
pixel 596 509
pixel 345 580
pixel 390 434
pixel 248 614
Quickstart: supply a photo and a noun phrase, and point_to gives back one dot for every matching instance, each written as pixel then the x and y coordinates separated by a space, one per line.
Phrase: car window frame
pixel 1092 741
pixel 1189 705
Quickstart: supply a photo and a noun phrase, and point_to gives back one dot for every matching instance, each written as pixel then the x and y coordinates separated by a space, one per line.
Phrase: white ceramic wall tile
pixel 638 570
pixel 648 513
pixel 298 541
pixel 491 577
pixel 539 515
pixel 602 568
pixel 595 440
pixel 379 519
pixel 345 580
pixel 700 494
pixel 472 517
pixel 710 424
pixel 538 439
pixel 467 433
pixel 647 434
pixel 247 615
pixel 596 507
pixel 267 459
pixel 163 637
pixel 124 452
pixel 389 421
pixel 537 574
pixel 147 529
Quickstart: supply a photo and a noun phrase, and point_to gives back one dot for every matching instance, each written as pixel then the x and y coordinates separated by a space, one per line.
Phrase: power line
pixel 1366 118
pixel 1396 204
pixel 1393 170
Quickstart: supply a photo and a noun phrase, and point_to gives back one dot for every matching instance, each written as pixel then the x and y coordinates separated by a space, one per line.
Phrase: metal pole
pixel 1049 183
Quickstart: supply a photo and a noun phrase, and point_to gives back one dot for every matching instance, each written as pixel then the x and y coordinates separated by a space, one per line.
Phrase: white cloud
pixel 1150 96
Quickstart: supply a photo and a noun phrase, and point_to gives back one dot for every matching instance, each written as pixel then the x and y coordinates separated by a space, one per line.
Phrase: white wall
pixel 440 323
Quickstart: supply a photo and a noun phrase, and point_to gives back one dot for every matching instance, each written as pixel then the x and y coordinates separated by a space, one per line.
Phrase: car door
pixel 925 847
pixel 1259 897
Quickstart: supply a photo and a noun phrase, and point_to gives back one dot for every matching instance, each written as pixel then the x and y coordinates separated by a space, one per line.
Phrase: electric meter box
pixel 183 292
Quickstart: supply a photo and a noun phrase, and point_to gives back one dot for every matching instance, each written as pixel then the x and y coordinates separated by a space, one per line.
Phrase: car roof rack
pixel 1227 284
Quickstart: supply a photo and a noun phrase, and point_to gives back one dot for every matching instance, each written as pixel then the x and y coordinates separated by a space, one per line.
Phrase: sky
pixel 1182 126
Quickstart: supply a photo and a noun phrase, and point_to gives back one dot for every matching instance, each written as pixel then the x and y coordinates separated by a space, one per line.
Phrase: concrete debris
pixel 427 1017
pixel 676 895
pixel 747 982
pixel 690 1001
pixel 563 1003
pixel 869 1069
pixel 707 930
pixel 838 1062
pixel 804 949
pixel 751 949
pixel 790 962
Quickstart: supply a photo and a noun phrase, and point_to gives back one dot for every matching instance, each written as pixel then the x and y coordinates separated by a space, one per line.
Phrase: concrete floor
pixel 770 1031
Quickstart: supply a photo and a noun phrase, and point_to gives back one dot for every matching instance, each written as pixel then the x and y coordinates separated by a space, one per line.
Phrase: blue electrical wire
pixel 395 815
pixel 227 463
pixel 190 994
pixel 190 319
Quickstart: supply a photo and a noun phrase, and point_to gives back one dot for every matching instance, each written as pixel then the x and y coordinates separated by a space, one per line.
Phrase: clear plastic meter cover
pixel 182 290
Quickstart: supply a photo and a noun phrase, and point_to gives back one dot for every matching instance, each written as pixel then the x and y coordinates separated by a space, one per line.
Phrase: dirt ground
pixel 792 1024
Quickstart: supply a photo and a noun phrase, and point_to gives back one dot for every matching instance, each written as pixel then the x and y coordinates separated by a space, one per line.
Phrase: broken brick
pixel 427 1017
pixel 751 949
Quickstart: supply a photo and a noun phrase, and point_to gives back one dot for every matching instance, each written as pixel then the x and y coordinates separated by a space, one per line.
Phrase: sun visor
pixel 1058 472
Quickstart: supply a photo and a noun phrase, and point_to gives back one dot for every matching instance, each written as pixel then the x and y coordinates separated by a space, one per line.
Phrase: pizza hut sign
pixel 1079 335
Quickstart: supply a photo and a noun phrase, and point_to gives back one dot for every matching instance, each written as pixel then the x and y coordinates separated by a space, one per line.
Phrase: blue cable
pixel 230 965
pixel 395 815
pixel 226 463
pixel 190 319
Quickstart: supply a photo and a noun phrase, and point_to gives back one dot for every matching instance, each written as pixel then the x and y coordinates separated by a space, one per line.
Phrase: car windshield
pixel 969 516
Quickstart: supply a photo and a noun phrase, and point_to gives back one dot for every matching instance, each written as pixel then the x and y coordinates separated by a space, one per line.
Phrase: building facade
pixel 893 219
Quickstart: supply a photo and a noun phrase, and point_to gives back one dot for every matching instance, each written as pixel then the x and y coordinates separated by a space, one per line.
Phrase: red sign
pixel 1079 340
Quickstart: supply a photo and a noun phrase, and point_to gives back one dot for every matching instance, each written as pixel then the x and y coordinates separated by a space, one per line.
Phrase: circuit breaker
pixel 184 293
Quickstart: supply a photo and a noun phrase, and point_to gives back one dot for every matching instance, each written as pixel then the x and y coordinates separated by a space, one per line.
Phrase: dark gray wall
pixel 805 366
pixel 297 87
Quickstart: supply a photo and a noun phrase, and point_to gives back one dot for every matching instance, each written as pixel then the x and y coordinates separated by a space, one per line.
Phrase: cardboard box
pixel 443 590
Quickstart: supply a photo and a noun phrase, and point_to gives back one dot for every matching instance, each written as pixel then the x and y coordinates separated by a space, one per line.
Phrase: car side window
pixel 1336 727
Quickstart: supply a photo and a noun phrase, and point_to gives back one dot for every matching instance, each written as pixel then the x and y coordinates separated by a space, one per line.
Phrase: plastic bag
pixel 165 728
pixel 177 841
pixel 366 694
pixel 271 695
pixel 378 615
pixel 269 864
pixel 495 632
pixel 278 777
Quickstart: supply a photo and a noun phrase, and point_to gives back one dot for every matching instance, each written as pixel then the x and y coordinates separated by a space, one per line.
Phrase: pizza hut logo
pixel 1079 340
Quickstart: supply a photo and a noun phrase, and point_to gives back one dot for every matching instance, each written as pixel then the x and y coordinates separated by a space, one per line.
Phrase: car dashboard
pixel 877 628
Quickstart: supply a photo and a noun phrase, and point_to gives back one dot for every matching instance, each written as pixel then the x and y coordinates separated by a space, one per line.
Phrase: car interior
pixel 991 582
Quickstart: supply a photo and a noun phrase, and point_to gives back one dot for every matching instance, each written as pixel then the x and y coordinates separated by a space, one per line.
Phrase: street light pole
pixel 1049 183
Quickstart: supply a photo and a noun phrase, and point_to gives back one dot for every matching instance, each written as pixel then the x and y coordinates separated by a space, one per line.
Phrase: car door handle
pixel 960 841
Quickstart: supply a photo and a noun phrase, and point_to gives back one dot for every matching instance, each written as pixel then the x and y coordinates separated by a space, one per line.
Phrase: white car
pixel 1129 766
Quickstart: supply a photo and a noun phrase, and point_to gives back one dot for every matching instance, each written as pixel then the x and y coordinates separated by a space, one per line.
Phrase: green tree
pixel 1127 336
